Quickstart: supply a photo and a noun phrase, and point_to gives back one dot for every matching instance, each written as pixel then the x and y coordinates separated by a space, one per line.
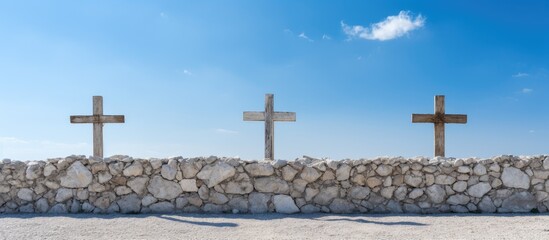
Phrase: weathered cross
pixel 98 119
pixel 439 119
pixel 269 116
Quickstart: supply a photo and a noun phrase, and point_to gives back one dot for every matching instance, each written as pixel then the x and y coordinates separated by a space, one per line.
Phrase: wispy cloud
pixel 184 72
pixel 326 37
pixel 302 35
pixel 392 27
pixel 225 131
pixel 39 149
pixel 521 74
pixel 527 90
pixel 6 140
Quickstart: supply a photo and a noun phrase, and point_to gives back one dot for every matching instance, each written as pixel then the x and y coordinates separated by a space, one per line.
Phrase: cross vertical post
pixel 269 127
pixel 439 126
pixel 97 127
pixel 269 116
pixel 439 118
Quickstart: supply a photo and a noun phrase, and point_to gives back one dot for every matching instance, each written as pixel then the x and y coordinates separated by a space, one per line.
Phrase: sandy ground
pixel 275 226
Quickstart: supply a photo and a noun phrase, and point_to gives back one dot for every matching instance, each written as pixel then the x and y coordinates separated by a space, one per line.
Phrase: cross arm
pixel 277 116
pixel 284 116
pixel 455 118
pixel 254 116
pixel 431 118
pixel 423 118
pixel 98 119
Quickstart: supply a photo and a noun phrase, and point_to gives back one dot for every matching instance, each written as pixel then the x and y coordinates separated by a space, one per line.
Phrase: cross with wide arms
pixel 269 116
pixel 98 119
pixel 439 119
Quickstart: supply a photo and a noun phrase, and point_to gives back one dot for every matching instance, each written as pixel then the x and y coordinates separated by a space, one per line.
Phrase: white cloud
pixel 225 131
pixel 326 37
pixel 184 72
pixel 521 74
pixel 392 27
pixel 12 140
pixel 527 90
pixel 22 149
pixel 302 35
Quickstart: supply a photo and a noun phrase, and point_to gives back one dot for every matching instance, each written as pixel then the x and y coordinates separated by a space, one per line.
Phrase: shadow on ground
pixel 202 219
pixel 200 223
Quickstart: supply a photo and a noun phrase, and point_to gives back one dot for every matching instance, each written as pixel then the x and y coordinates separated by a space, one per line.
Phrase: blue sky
pixel 354 71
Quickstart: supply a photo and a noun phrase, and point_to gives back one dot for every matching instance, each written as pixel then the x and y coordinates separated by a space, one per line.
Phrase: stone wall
pixel 123 184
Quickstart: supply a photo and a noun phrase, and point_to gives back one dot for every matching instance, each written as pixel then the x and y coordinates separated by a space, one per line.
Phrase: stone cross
pixel 269 116
pixel 98 119
pixel 439 119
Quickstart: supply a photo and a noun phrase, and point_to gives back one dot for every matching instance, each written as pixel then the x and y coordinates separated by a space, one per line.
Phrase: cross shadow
pixel 169 217
pixel 230 220
pixel 358 218
pixel 405 223
pixel 208 224
pixel 201 219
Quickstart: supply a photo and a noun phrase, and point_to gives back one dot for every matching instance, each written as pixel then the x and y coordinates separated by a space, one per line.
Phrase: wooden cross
pixel 269 116
pixel 439 119
pixel 98 119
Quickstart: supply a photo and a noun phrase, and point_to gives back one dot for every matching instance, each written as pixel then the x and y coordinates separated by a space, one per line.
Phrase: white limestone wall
pixel 77 184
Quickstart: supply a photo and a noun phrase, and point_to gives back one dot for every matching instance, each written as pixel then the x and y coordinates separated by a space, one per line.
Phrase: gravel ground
pixel 275 226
